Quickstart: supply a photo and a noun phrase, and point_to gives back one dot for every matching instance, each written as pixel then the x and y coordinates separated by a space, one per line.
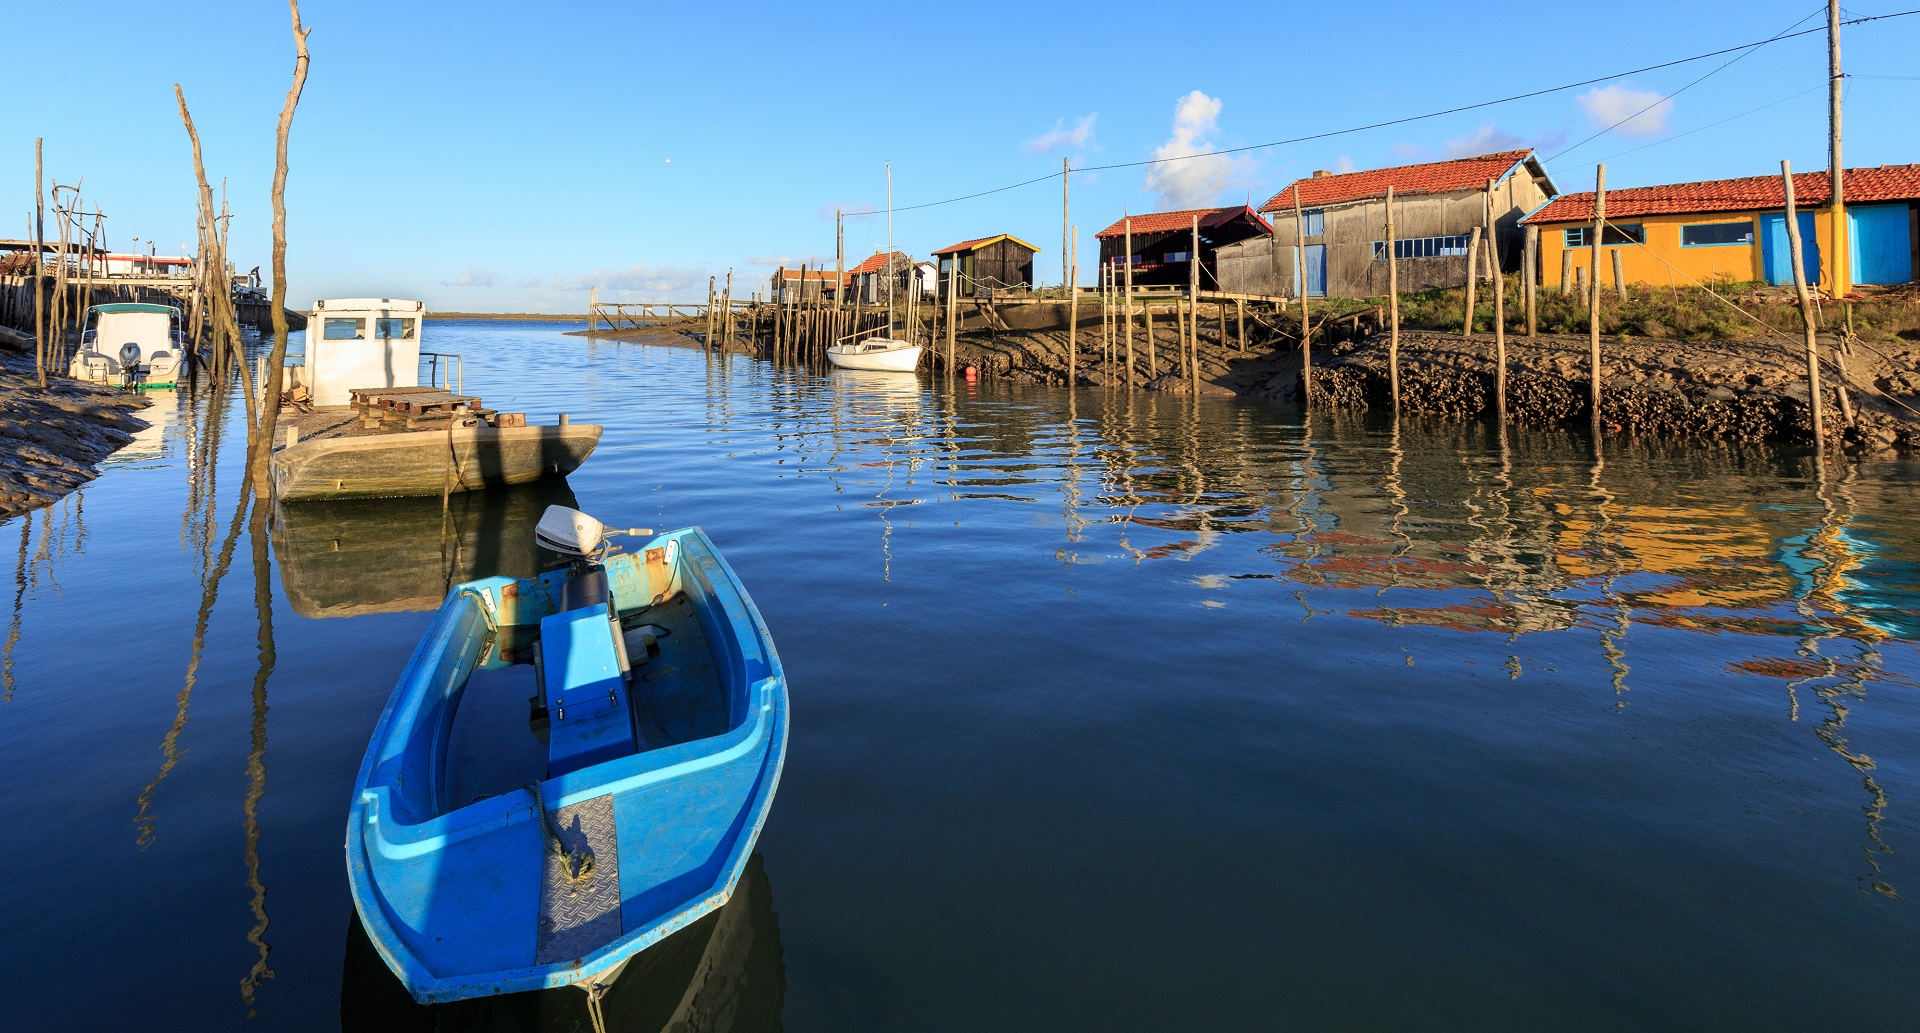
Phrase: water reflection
pixel 257 754
pixel 723 972
pixel 36 567
pixel 352 557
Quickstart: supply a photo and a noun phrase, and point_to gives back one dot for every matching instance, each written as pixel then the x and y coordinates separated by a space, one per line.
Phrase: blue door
pixel 1779 258
pixel 1316 270
pixel 1879 244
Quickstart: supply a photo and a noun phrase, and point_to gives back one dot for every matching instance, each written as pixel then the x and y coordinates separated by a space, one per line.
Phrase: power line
pixel 1329 134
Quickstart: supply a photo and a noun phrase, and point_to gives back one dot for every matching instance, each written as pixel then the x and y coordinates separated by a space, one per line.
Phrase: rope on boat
pixel 577 864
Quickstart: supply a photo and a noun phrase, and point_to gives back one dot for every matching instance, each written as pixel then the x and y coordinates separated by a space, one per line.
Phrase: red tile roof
pixel 878 261
pixel 804 275
pixel 979 242
pixel 1167 222
pixel 1434 177
pixel 1749 193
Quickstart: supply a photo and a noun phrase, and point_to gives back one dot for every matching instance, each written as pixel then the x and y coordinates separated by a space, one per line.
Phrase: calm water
pixel 1109 712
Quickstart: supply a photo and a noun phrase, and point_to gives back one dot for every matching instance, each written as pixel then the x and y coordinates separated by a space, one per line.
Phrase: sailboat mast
pixel 890 272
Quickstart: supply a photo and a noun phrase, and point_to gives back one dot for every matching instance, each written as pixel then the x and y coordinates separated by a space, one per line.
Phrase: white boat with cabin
pixel 133 345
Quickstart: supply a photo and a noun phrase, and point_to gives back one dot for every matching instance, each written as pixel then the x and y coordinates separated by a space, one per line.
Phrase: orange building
pixel 1736 229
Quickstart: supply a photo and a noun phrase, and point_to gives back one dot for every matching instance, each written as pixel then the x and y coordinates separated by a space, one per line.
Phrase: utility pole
pixel 839 256
pixel 1842 267
pixel 1065 233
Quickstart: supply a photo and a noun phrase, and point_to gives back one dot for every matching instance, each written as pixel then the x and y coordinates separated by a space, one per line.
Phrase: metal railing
pixel 454 371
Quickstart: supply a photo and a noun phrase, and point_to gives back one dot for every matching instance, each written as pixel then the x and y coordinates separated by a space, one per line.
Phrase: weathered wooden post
pixel 726 302
pixel 1533 261
pixel 1566 269
pixel 1192 357
pixel 1127 305
pixel 1499 309
pixel 953 303
pixel 39 263
pixel 1393 306
pixel 1806 313
pixel 1073 303
pixel 1473 258
pixel 707 340
pixel 1619 276
pixel 1240 317
pixel 1306 329
pixel 1593 291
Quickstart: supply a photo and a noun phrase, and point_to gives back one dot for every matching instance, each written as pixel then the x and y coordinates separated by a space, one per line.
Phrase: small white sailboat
pixel 879 350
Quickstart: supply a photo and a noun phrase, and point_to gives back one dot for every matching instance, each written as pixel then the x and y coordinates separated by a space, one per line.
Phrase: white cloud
pixel 473 277
pixel 1195 182
pixel 1060 136
pixel 1343 164
pixel 1487 139
pixel 638 278
pixel 1626 111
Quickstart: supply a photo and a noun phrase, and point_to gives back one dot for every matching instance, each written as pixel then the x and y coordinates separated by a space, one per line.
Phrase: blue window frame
pixel 1423 247
pixel 1616 235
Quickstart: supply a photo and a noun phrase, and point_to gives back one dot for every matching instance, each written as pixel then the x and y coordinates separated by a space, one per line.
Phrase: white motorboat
pixel 882 354
pixel 134 345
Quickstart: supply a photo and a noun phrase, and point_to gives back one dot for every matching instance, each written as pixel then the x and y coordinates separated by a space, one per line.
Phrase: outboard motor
pixel 583 541
pixel 129 364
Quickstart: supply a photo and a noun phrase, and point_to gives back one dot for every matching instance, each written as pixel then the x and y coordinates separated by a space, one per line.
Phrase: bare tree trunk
pixel 260 448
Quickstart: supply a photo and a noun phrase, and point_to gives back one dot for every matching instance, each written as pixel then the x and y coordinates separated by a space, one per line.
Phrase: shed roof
pixel 1167 222
pixel 804 275
pixel 878 261
pixel 1748 193
pixel 980 242
pixel 1433 177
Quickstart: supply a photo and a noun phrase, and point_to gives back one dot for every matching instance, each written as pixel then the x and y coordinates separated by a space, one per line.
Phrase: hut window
pixel 401 329
pixel 1716 234
pixel 1422 247
pixel 1177 256
pixel 1617 234
pixel 1316 220
pixel 344 330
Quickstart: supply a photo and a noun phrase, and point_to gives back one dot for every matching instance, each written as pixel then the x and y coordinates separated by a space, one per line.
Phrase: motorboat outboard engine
pixel 129 364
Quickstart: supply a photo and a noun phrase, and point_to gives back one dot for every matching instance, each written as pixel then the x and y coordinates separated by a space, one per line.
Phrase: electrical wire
pixel 1329 134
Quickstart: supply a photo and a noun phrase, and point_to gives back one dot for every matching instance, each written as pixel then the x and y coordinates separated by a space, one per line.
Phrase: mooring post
pixel 1499 309
pixel 1127 305
pixel 1806 313
pixel 1306 328
pixel 1619 276
pixel 1473 275
pixel 1593 292
pixel 1531 277
pixel 1393 307
pixel 1073 301
pixel 1193 310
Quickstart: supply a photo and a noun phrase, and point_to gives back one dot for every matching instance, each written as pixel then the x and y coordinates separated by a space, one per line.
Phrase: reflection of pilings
pixel 1610 637
pixel 1827 548
pixel 19 602
pixel 170 743
pixel 257 757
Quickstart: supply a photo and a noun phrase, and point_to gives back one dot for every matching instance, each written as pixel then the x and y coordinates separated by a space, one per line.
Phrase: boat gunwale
pixel 766 724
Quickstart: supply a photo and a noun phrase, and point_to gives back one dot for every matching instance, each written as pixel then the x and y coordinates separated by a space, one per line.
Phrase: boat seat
pixel 588 713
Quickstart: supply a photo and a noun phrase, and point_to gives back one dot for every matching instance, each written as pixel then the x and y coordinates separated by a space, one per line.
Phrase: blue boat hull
pixel 469 897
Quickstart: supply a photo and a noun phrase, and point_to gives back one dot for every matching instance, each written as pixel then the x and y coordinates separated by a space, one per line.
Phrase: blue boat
pixel 572 767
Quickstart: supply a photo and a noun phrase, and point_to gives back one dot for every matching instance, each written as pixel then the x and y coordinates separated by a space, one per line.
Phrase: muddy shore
pixel 51 439
pixel 1747 390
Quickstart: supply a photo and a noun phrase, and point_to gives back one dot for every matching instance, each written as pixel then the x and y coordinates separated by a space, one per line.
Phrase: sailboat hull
pixel 902 359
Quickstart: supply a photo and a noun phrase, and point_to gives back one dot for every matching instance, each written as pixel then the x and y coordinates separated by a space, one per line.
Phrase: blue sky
pixel 504 157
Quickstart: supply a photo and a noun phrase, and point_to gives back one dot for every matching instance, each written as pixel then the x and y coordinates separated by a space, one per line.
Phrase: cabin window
pixel 1422 247
pixel 344 329
pixel 1177 256
pixel 393 329
pixel 1716 234
pixel 1616 235
pixel 1316 222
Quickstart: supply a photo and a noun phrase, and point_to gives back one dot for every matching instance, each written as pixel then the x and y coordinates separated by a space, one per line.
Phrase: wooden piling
pixel 1473 257
pixel 1566 271
pixel 1619 276
pixel 953 303
pixel 1240 316
pixel 1073 302
pixel 39 262
pixel 1306 329
pixel 1806 313
pixel 1393 306
pixel 1499 309
pixel 1593 292
pixel 1127 305
pixel 1530 278
pixel 1192 358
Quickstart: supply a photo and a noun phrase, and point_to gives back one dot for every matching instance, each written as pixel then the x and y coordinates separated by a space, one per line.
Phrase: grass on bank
pixel 1678 313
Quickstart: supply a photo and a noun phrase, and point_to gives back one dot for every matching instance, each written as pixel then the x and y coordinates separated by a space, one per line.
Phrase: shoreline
pixel 1723 390
pixel 51 441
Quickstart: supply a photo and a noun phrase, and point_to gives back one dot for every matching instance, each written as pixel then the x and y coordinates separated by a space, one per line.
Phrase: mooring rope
pixel 577 864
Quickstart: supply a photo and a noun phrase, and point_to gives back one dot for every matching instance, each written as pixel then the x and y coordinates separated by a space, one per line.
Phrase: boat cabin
pixel 359 343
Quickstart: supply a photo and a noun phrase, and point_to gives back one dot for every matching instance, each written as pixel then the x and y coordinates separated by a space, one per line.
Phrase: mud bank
pixel 51 439
pixel 1749 390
